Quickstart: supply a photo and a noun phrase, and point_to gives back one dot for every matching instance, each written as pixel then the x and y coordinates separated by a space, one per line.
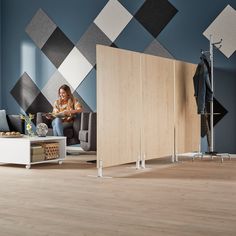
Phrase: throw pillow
pixel 3 121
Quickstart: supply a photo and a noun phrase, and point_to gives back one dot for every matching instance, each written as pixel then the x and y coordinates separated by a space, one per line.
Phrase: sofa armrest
pixel 85 120
pixel 92 126
pixel 16 123
pixel 88 132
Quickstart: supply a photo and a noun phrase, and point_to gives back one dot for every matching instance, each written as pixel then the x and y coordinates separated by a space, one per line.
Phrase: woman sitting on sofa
pixel 64 111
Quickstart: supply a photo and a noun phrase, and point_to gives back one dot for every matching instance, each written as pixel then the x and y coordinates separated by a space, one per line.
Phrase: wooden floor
pixel 184 199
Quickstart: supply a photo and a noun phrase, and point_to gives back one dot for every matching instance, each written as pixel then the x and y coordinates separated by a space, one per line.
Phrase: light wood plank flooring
pixel 184 199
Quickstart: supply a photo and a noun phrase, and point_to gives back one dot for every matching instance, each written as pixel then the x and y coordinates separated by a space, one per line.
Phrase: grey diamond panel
pixel 87 44
pixel 57 47
pixel 156 49
pixel 25 91
pixel 40 28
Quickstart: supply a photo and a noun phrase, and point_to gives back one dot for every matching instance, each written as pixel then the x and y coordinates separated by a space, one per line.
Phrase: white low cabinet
pixel 17 150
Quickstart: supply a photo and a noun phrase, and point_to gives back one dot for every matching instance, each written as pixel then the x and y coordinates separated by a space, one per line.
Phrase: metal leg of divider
pixel 100 169
pixel 143 161
pixel 176 158
pixel 138 164
pixel 173 158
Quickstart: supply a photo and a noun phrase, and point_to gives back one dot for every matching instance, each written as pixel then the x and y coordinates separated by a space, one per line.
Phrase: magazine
pixel 54 115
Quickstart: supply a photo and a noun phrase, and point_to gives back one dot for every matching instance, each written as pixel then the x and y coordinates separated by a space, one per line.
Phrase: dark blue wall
pixel 181 38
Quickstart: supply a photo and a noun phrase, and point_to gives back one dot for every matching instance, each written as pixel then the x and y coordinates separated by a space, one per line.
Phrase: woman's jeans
pixel 58 126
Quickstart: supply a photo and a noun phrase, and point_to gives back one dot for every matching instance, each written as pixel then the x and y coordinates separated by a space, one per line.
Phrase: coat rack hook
pixel 219 42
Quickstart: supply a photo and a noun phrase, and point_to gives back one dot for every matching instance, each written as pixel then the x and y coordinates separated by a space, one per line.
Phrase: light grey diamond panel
pixel 156 49
pixel 87 44
pixel 40 28
pixel 223 27
pixel 113 19
pixel 50 90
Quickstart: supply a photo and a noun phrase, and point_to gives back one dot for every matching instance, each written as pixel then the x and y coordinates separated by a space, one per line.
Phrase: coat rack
pixel 212 151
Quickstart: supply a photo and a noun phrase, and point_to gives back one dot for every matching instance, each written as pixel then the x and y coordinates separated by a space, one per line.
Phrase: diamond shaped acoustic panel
pixel 57 47
pixel 223 27
pixel 75 67
pixel 219 113
pixel 112 19
pixel 155 15
pixel 156 49
pixel 25 91
pixel 40 104
pixel 40 28
pixel 50 90
pixel 87 43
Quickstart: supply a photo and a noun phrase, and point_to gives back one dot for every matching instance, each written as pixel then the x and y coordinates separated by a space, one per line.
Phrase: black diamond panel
pixel 219 113
pixel 40 104
pixel 25 91
pixel 57 47
pixel 154 15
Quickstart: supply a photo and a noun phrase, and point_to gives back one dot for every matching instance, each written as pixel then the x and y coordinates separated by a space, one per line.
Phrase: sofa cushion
pixel 3 121
pixel 83 135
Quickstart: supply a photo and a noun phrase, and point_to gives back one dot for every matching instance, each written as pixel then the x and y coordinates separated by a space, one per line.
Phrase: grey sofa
pixel 88 131
pixel 72 133
pixel 16 123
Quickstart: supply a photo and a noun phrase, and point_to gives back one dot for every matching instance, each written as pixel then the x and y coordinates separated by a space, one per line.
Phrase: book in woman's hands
pixel 60 115
pixel 54 115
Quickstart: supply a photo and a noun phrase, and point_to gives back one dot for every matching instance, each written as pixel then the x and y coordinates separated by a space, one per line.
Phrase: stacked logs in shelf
pixel 44 151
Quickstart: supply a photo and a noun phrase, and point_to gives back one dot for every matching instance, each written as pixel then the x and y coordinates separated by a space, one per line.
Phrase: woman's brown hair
pixel 66 88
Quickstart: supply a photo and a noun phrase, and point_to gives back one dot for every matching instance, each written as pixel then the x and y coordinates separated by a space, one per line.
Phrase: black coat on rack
pixel 202 85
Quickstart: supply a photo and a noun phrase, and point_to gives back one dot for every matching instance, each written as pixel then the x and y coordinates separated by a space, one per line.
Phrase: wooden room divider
pixel 118 106
pixel 145 107
pixel 157 107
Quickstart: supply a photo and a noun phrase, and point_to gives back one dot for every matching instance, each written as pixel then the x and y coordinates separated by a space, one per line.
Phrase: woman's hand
pixel 49 116
pixel 67 113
